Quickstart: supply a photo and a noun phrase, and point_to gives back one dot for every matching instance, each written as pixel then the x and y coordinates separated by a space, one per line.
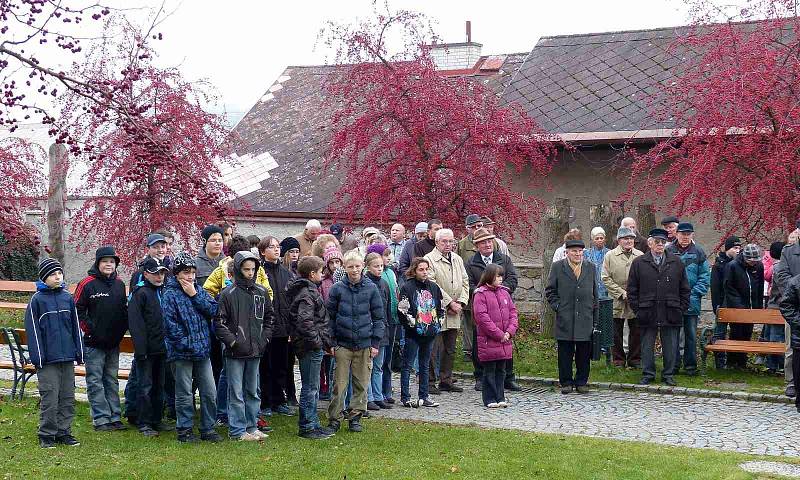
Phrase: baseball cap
pixel 154 238
pixel 153 265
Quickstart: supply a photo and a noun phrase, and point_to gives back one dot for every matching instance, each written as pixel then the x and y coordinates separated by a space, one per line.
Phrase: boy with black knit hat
pixel 102 307
pixel 54 344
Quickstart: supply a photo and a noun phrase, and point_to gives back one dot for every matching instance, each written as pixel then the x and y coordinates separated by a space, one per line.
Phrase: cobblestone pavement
pixel 722 424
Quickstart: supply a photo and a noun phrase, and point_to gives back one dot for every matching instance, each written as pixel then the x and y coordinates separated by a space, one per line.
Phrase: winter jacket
pixel 356 313
pixel 769 268
pixel 743 285
pixel 614 274
pixel 777 287
pixel 310 330
pixel 102 306
pixel 406 257
pixel 425 308
pixel 790 309
pixel 390 278
pixel 206 265
pixel 386 298
pixel 698 273
pixel 467 249
pixel 146 321
pixel 451 276
pixel 423 247
pixel 187 322
pixel 789 263
pixel 245 317
pixel 574 301
pixel 326 285
pixel 51 325
pixel 495 314
pixel 475 268
pixel 596 256
pixel 280 278
pixel 220 278
pixel 717 280
pixel 657 294
pixel 305 244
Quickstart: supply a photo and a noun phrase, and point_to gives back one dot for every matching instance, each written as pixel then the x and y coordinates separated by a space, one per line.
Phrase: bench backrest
pixel 126 346
pixel 25 287
pixel 769 316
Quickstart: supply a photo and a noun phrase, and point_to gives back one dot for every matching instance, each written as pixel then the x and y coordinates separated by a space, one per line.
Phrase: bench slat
pixel 744 346
pixel 126 346
pixel 13 305
pixel 769 316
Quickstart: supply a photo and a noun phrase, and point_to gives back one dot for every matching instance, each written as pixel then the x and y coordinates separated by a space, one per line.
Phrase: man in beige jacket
pixel 616 266
pixel 448 272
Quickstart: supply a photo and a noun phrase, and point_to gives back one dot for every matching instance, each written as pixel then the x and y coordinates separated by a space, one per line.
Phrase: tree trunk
pixel 646 219
pixel 56 198
pixel 602 215
pixel 556 225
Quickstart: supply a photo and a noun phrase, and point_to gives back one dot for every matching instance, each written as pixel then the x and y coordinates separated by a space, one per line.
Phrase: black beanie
pixel 209 230
pixel 47 267
pixel 289 243
pixel 775 250
pixel 731 242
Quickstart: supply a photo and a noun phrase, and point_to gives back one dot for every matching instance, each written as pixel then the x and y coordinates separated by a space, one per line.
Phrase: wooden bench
pixel 24 370
pixel 739 315
pixel 21 287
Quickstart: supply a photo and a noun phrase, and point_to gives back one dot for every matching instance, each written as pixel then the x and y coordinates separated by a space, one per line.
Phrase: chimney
pixel 457 56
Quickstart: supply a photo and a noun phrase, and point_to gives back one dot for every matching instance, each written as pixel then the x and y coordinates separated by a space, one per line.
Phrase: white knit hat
pixel 598 231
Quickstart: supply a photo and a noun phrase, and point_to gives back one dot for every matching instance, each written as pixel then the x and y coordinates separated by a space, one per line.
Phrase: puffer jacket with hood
pixel 102 308
pixel 310 329
pixel 187 322
pixel 245 316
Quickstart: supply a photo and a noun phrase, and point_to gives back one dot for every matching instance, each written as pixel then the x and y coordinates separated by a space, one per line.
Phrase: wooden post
pixel 56 199
pixel 602 215
pixel 556 225
pixel 646 219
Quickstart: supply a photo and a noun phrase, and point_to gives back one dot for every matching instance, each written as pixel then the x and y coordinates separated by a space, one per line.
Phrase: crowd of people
pixel 231 322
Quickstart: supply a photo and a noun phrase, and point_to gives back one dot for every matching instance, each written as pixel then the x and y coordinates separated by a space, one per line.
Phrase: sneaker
pixel 118 425
pixel 314 435
pixel 286 410
pixel 493 405
pixel 366 414
pixel 221 422
pixel 389 400
pixel 247 437
pixel 265 412
pixel 790 391
pixel 106 427
pixel 409 404
pixel 186 436
pixel 445 387
pixel 148 432
pixel 478 386
pixel 327 431
pixel 427 403
pixel 372 406
pixel 263 426
pixel 565 389
pixel 354 424
pixel 334 425
pixel 645 381
pixel 47 442
pixel 669 381
pixel 434 390
pixel 383 404
pixel 211 437
pixel 512 386
pixel 258 433
pixel 504 404
pixel 584 389
pixel 163 427
pixel 68 440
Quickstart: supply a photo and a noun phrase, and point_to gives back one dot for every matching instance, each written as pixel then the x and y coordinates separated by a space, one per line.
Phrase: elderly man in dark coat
pixel 572 292
pixel 658 292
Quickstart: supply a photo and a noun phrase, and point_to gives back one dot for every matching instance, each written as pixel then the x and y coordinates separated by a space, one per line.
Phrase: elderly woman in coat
pixel 572 292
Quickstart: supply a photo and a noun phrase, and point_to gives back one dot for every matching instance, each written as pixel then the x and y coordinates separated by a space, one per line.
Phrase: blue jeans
pixel 376 379
pixel 690 345
pixel 102 386
pixel 184 371
pixel 243 401
pixel 132 392
pixel 774 333
pixel 386 353
pixel 415 349
pixel 309 391
pixel 222 396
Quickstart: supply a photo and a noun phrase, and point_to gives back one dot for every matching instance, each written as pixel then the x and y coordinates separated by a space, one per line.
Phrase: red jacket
pixel 495 314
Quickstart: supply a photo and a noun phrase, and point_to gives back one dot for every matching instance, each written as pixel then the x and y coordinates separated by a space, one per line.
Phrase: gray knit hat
pixel 751 251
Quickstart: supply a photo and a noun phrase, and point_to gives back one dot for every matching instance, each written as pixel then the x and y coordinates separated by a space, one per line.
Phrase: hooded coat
pixel 187 322
pixel 146 321
pixel 51 325
pixel 494 313
pixel 744 285
pixel 310 330
pixel 102 306
pixel 280 278
pixel 245 317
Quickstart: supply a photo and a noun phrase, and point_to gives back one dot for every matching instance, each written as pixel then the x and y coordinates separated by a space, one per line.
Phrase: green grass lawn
pixel 386 449
pixel 536 356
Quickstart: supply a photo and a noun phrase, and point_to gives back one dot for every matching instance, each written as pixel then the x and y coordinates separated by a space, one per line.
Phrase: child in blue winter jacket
pixel 55 344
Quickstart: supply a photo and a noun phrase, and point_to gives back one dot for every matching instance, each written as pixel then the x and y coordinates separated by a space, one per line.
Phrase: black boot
pixel 355 424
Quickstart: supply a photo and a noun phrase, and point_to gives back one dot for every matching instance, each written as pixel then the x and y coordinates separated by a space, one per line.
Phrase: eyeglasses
pixel 659 241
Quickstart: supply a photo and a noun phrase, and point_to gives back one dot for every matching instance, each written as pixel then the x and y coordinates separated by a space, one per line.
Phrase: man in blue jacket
pixel 54 345
pixel 698 273
pixel 188 310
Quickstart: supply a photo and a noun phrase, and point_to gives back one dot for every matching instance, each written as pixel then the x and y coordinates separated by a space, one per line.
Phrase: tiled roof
pixel 597 82
pixel 291 124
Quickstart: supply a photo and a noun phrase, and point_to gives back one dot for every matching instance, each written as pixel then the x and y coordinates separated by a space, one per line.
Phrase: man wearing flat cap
pixel 698 274
pixel 658 292
pixel 670 224
pixel 572 292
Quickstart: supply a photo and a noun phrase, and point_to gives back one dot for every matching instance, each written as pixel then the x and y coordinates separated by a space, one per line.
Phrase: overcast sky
pixel 243 46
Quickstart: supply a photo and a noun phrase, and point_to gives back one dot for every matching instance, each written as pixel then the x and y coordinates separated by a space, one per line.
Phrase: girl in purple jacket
pixel 496 320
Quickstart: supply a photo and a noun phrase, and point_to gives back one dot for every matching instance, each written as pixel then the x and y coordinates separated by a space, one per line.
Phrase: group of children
pixel 343 314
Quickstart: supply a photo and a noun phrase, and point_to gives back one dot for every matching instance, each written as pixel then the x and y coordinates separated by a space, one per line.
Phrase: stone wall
pixel 529 295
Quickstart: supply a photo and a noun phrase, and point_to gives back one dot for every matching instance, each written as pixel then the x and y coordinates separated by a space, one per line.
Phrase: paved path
pixel 722 424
